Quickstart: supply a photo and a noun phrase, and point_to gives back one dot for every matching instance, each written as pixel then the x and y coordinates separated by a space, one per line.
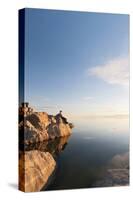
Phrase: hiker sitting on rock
pixel 60 116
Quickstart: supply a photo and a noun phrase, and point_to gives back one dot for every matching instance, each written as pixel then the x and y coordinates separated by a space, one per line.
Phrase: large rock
pixel 40 126
pixel 35 168
pixel 30 134
pixel 40 120
pixel 37 164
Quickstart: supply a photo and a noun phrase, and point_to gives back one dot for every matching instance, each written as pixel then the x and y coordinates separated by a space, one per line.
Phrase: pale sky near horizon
pixel 77 62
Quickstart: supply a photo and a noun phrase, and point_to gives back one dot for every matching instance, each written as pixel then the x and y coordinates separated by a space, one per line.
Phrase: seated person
pixel 59 115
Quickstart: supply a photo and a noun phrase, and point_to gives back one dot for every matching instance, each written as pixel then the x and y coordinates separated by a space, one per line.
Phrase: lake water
pixel 95 146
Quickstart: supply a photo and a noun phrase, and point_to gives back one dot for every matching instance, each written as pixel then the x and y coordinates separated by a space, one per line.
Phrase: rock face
pixel 39 126
pixel 35 167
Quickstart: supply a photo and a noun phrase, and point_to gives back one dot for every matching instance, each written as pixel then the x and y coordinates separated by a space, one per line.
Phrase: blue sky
pixel 77 62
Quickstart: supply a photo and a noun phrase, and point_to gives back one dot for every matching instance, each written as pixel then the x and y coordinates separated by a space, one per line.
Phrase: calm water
pixel 89 151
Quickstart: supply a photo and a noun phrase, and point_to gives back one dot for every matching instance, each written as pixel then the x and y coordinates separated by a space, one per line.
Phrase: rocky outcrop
pixel 41 138
pixel 39 126
pixel 35 168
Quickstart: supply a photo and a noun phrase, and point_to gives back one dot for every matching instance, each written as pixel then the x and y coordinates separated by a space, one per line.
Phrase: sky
pixel 77 62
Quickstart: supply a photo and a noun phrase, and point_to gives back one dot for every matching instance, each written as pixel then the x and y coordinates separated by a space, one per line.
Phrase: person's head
pixel 60 111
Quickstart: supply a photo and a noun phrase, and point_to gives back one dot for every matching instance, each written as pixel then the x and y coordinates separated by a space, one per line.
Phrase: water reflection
pixel 54 147
pixel 117 172
pixel 96 148
pixel 96 156
pixel 120 161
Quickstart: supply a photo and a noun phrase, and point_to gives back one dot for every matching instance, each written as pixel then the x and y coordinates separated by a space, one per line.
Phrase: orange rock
pixel 35 167
pixel 39 126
